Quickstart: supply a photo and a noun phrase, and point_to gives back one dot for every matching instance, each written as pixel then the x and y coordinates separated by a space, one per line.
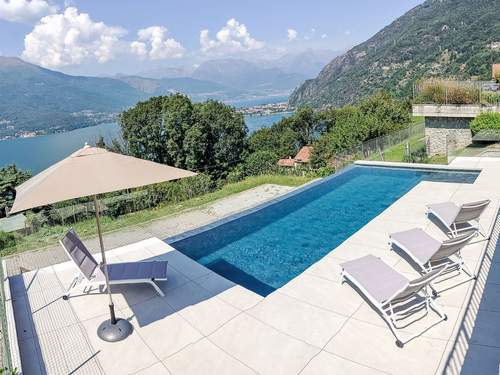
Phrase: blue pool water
pixel 268 247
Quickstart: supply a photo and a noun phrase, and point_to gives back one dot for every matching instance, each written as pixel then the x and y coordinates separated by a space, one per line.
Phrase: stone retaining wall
pixel 446 133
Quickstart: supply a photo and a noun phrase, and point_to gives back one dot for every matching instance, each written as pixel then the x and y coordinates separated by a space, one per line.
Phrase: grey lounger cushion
pixel 138 271
pixel 451 213
pixel 79 254
pixel 422 246
pixel 447 211
pixel 378 279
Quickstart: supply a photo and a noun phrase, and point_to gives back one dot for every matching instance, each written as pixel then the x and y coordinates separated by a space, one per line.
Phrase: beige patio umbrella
pixel 89 172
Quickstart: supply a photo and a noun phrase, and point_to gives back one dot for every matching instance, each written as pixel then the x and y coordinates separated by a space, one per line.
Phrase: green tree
pixel 260 162
pixel 307 125
pixel 226 133
pixel 346 127
pixel 280 139
pixel 144 131
pixel 387 113
pixel 205 137
pixel 10 177
pixel 177 115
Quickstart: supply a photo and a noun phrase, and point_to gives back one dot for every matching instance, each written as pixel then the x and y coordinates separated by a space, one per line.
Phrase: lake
pixel 38 153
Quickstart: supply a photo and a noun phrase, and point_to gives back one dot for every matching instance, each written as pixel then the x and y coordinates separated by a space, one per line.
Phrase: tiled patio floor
pixel 312 325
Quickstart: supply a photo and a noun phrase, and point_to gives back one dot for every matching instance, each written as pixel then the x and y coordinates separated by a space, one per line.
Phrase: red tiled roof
pixel 304 154
pixel 286 162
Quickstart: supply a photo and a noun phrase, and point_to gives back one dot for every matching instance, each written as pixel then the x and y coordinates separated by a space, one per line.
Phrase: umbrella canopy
pixel 91 171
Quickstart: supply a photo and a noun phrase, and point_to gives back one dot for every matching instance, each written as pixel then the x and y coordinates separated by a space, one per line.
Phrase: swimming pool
pixel 265 248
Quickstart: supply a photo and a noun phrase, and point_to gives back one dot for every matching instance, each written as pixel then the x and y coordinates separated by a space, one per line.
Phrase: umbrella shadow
pixel 189 284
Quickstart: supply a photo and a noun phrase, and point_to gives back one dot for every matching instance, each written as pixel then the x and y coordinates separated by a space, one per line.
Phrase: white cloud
pixel 347 32
pixel 310 35
pixel 233 37
pixel 324 36
pixel 25 11
pixel 153 43
pixel 292 34
pixel 71 38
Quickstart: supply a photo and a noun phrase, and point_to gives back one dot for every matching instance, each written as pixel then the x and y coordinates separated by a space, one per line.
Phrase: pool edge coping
pixel 248 211
pixel 389 165
pixel 420 166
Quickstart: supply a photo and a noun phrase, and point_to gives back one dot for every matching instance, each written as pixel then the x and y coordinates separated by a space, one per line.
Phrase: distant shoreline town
pixel 257 110
pixel 266 109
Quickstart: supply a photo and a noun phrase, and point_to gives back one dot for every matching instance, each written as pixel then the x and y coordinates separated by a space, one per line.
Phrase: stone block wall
pixel 444 133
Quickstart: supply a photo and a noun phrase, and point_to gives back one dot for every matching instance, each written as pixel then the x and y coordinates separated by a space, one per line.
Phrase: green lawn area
pixel 417 119
pixel 438 159
pixel 397 152
pixel 87 228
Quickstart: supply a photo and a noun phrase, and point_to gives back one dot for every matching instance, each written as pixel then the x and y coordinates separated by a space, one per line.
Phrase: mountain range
pixel 447 38
pixel 35 99
pixel 307 63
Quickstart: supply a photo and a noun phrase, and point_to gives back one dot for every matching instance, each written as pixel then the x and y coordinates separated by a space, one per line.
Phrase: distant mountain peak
pixel 450 38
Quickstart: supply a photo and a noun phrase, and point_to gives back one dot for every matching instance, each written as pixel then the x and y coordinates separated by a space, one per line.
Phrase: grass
pixel 417 119
pixel 397 152
pixel 438 159
pixel 48 236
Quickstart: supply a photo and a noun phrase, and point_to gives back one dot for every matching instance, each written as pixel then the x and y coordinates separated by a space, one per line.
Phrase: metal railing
pixel 397 147
pixel 5 357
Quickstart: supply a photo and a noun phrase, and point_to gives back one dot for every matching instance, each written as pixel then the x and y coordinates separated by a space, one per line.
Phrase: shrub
pixel 486 121
pixel 7 371
pixel 417 156
pixel 490 97
pixel 260 162
pixel 236 175
pixel 324 171
pixel 7 240
pixel 440 91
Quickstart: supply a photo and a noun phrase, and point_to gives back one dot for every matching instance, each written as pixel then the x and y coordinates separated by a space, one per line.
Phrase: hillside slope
pixel 34 98
pixel 42 100
pixel 453 38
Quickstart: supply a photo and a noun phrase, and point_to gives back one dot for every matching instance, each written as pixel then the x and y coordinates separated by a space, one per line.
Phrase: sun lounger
pixel 91 273
pixel 391 293
pixel 459 218
pixel 429 253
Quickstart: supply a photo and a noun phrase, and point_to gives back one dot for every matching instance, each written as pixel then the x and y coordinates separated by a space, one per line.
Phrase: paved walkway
pixel 161 228
pixel 312 325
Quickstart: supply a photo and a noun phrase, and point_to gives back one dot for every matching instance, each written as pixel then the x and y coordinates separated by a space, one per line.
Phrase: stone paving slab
pixel 312 325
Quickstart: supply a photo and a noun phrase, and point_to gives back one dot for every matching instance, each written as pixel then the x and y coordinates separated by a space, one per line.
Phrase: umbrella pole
pixel 104 262
pixel 113 329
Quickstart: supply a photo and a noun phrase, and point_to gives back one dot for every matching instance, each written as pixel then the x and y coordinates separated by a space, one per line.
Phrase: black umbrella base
pixel 114 332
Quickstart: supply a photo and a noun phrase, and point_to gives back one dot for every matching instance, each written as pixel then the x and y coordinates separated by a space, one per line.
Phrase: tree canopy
pixel 205 137
pixel 10 177
pixel 375 116
pixel 330 131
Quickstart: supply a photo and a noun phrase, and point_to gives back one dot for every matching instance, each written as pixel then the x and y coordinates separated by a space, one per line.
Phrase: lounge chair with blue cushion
pixel 391 293
pixel 91 273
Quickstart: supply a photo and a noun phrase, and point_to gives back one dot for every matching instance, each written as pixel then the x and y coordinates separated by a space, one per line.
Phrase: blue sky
pixel 96 36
